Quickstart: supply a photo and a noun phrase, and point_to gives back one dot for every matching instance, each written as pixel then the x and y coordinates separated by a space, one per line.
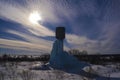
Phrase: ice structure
pixel 62 60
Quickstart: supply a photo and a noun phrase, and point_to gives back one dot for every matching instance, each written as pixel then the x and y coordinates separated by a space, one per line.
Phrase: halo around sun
pixel 35 17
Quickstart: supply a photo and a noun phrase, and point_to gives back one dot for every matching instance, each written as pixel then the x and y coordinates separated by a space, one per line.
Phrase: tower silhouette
pixel 60 34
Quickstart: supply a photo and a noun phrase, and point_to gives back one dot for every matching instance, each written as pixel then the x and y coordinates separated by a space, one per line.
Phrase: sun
pixel 35 17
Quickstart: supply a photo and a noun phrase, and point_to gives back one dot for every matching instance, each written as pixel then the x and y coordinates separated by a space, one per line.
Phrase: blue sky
pixel 92 25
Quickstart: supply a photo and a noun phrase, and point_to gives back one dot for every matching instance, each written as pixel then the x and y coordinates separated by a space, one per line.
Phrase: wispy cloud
pixel 30 38
pixel 43 44
pixel 83 43
pixel 94 25
pixel 20 45
pixel 20 13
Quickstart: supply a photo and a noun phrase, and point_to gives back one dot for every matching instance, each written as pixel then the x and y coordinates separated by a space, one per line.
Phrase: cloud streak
pixel 94 24
pixel 20 14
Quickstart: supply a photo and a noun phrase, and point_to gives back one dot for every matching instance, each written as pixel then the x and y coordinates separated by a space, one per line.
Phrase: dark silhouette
pixel 60 33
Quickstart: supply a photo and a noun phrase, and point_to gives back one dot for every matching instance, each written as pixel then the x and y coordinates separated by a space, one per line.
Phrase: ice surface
pixel 60 59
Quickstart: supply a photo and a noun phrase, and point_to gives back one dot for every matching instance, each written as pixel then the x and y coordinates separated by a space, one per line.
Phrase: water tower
pixel 60 34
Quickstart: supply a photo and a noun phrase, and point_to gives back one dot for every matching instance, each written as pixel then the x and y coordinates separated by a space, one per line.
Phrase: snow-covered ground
pixel 23 71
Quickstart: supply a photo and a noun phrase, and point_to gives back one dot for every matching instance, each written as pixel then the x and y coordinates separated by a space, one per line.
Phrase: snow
pixel 62 66
pixel 115 74
pixel 52 74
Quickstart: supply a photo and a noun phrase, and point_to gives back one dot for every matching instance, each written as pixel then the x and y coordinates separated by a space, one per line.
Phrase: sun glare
pixel 35 17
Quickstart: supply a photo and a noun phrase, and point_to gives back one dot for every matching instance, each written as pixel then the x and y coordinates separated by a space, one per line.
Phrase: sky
pixel 91 25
